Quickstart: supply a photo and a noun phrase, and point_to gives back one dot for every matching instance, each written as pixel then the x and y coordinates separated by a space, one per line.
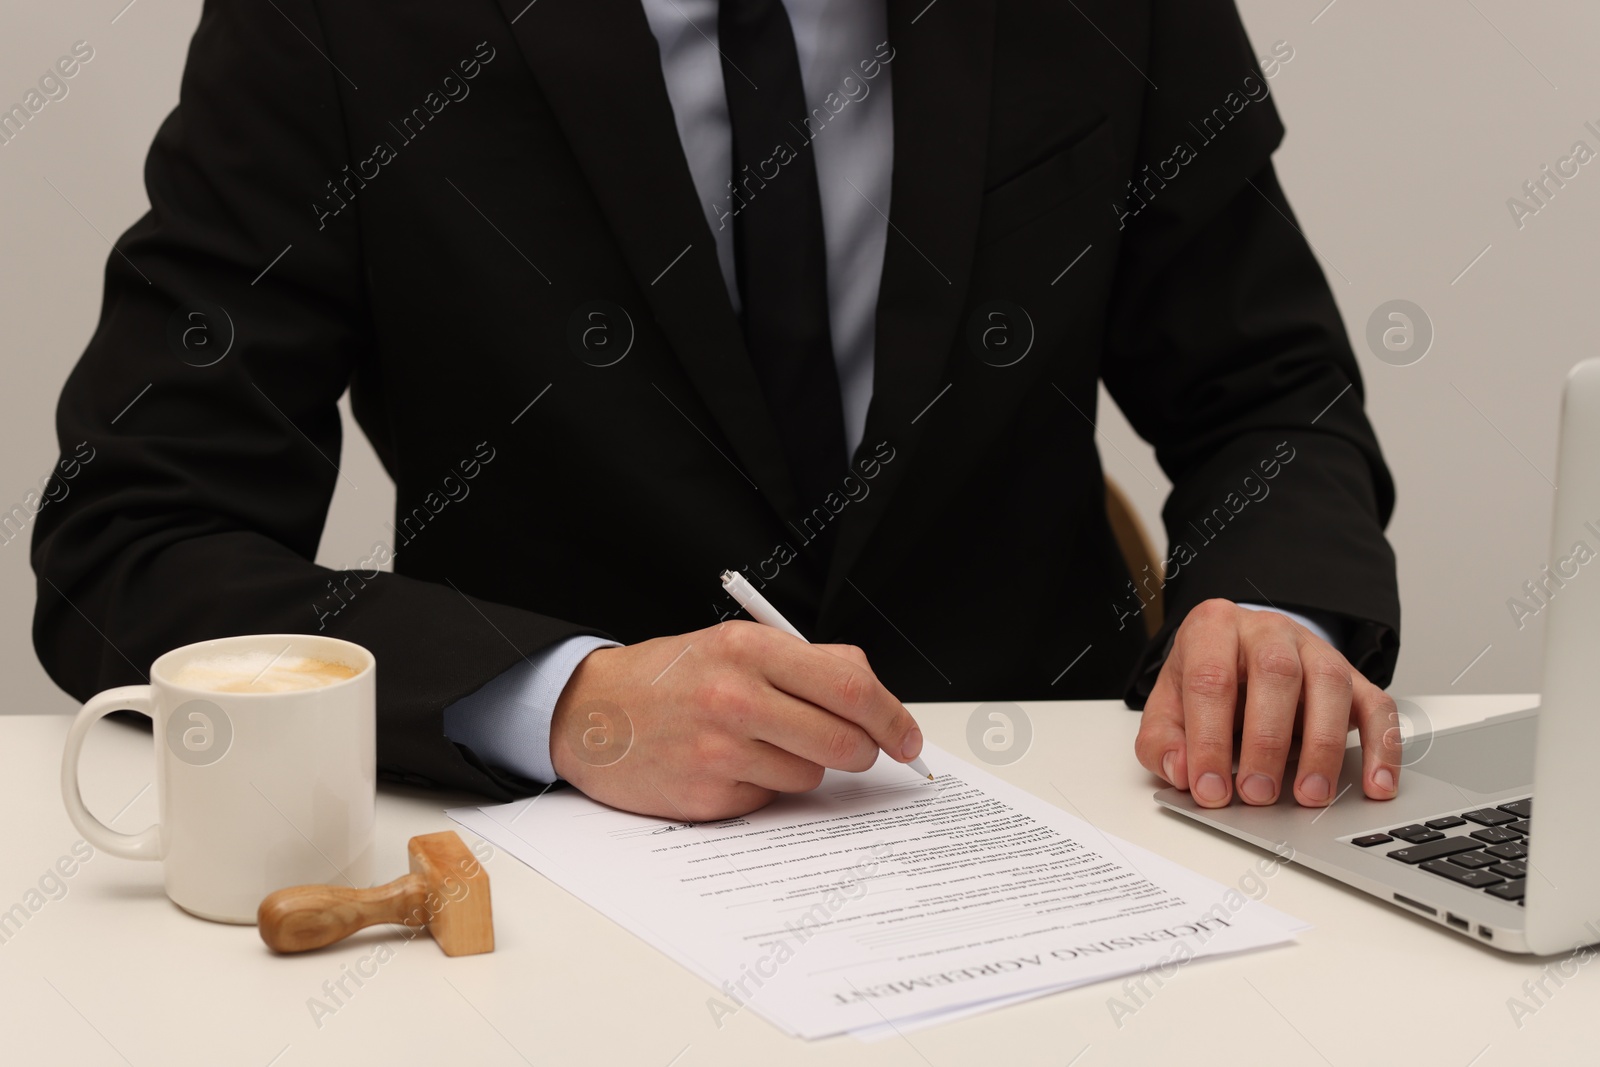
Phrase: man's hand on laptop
pixel 1262 679
pixel 716 723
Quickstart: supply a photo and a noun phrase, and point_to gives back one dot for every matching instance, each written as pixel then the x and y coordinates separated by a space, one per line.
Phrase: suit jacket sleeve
pixel 200 511
pixel 1227 353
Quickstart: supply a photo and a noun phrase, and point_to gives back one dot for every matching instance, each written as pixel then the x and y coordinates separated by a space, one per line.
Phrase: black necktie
pixel 781 260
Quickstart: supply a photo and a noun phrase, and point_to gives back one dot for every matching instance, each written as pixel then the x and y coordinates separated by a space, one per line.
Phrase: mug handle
pixel 144 845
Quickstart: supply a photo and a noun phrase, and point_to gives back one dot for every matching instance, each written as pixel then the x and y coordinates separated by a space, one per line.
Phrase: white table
pixel 112 973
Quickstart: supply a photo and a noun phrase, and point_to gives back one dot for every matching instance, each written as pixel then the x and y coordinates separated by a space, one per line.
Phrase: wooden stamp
pixel 447 891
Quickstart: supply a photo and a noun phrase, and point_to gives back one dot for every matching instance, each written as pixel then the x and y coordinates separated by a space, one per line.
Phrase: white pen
pixel 761 610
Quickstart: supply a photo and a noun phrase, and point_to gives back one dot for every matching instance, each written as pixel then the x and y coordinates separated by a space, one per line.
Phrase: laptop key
pixel 1522 809
pixel 1446 823
pixel 1371 839
pixel 1473 860
pixel 1470 879
pixel 1432 850
pixel 1511 850
pixel 1488 816
pixel 1495 835
pixel 1415 833
pixel 1521 826
pixel 1510 869
pixel 1509 891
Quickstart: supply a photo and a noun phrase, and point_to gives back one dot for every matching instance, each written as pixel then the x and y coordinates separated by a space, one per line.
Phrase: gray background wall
pixel 1409 127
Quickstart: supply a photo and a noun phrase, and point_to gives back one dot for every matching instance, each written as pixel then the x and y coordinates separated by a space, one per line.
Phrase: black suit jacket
pixel 479 220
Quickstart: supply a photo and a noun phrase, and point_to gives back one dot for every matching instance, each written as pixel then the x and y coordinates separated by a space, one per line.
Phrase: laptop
pixel 1456 846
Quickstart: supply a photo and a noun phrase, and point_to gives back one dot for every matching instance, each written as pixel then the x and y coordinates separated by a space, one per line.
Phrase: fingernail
pixel 1211 789
pixel 913 744
pixel 1315 788
pixel 1257 789
pixel 1383 778
pixel 1166 768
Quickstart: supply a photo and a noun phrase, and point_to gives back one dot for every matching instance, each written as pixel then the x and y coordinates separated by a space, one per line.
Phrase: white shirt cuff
pixel 507 722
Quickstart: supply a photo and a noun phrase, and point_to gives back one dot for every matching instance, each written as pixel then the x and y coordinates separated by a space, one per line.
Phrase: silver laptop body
pixel 1551 753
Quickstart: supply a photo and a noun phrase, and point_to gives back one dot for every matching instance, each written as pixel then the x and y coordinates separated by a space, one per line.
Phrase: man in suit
pixel 630 292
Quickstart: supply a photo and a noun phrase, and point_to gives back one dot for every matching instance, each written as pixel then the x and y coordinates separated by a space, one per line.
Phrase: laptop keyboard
pixel 1485 848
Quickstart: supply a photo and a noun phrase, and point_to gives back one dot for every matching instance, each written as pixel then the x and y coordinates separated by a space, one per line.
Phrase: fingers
pixel 849 652
pixel 773 768
pixel 1329 679
pixel 1376 719
pixel 816 736
pixel 732 775
pixel 1269 647
pixel 1207 649
pixel 833 683
pixel 1160 744
pixel 704 802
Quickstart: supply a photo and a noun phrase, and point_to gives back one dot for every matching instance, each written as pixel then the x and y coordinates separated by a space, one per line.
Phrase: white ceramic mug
pixel 255 791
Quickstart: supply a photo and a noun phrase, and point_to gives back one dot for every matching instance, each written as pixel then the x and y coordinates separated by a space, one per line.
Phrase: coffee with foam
pixel 260 672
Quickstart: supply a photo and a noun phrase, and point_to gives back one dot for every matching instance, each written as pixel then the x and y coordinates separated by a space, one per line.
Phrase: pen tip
pixel 930 777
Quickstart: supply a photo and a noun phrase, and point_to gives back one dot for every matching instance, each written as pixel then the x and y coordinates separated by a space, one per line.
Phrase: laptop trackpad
pixel 1490 758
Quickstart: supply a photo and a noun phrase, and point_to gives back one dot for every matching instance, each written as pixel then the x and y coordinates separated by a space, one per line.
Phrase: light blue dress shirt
pixel 847 68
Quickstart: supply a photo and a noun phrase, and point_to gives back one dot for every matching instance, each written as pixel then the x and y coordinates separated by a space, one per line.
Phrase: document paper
pixel 881 896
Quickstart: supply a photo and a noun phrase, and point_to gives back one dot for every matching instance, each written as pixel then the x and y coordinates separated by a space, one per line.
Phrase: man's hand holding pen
pixel 722 720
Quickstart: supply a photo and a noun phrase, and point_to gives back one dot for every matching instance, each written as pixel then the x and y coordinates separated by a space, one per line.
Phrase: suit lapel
pixel 600 70
pixel 942 72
